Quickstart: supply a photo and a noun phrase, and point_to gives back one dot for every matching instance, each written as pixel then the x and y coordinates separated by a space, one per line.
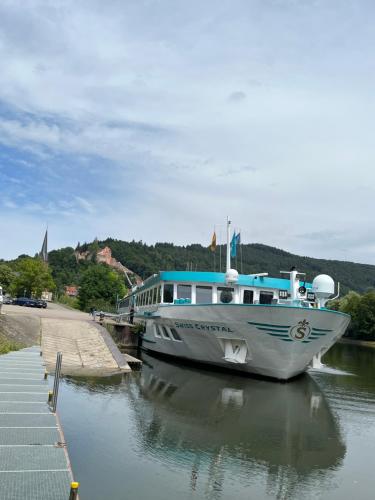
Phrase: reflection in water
pixel 234 428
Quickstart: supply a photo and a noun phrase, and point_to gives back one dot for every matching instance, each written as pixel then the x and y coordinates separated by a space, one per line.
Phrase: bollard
pixel 50 394
pixel 73 490
pixel 45 375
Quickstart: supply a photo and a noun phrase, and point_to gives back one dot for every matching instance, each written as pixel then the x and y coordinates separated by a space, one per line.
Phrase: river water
pixel 172 432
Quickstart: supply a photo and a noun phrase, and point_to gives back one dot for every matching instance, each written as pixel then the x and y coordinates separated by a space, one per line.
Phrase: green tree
pixel 32 278
pixel 100 285
pixel 6 276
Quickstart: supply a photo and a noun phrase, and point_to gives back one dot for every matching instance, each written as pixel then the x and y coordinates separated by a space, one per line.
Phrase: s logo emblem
pixel 301 331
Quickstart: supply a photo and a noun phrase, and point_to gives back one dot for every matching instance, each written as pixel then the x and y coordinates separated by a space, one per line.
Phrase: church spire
pixel 44 251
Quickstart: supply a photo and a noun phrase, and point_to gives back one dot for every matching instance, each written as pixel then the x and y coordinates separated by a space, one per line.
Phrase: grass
pixel 8 345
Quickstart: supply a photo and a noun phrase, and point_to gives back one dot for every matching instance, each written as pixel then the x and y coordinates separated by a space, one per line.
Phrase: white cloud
pixel 188 111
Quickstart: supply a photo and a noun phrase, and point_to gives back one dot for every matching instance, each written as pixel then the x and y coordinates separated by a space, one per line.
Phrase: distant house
pixel 46 295
pixel 71 291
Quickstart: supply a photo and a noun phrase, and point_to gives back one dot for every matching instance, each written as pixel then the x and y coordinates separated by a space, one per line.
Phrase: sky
pixel 155 119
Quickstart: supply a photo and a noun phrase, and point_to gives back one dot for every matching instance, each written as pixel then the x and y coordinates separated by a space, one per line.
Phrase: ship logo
pixel 301 331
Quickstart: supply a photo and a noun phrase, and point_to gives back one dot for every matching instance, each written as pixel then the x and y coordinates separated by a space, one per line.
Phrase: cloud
pixel 115 115
pixel 237 96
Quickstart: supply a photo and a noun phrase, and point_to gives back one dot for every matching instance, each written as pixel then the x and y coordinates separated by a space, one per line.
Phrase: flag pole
pixel 220 252
pixel 241 251
pixel 228 243
pixel 215 251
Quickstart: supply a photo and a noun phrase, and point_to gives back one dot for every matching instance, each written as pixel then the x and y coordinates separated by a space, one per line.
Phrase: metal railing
pixel 119 317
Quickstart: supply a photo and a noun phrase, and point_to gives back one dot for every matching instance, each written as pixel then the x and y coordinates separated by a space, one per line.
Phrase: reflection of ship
pixel 217 424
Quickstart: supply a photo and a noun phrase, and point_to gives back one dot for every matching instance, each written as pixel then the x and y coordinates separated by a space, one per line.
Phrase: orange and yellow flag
pixel 213 242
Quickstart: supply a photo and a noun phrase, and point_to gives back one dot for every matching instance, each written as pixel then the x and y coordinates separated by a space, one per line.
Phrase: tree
pixel 6 276
pixel 32 278
pixel 99 286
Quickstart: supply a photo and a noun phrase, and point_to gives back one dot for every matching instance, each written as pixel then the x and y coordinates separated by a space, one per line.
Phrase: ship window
pixel 158 296
pixel 175 335
pixel 154 295
pixel 248 296
pixel 225 294
pixel 156 331
pixel 265 297
pixel 204 294
pixel 184 291
pixel 168 294
pixel 165 333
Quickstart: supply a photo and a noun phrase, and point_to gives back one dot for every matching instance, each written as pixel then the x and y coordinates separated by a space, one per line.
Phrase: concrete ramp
pixel 87 348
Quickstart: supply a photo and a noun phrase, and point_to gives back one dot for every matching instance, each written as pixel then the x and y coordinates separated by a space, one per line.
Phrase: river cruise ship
pixel 273 327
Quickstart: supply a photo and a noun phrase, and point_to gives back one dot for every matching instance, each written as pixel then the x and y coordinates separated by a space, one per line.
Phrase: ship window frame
pixel 252 296
pixel 169 285
pixel 266 293
pixel 186 285
pixel 174 334
pixel 205 287
pixel 156 332
pixel 165 334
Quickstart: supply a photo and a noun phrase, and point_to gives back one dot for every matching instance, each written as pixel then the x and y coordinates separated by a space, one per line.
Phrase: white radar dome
pixel 323 286
pixel 231 276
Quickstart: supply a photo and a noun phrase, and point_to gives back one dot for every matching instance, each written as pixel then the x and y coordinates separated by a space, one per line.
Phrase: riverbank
pixel 365 343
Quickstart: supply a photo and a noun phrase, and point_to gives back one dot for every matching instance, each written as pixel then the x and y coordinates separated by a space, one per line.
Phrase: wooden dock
pixel 34 463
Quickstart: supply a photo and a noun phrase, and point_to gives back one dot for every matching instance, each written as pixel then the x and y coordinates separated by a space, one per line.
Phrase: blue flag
pixel 233 246
pixel 238 239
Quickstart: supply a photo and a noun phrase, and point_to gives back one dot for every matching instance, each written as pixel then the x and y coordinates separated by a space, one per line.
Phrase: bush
pixel 68 301
pixel 8 345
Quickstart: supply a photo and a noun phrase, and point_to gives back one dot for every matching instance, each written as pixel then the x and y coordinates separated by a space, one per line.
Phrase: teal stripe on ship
pixel 278 334
pixel 267 324
pixel 287 340
pixel 321 330
pixel 284 330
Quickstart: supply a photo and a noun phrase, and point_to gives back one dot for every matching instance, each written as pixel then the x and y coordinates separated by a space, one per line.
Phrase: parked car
pixel 7 300
pixel 23 301
pixel 27 302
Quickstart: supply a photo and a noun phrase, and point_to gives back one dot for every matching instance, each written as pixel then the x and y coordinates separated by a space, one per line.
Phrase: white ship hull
pixel 268 340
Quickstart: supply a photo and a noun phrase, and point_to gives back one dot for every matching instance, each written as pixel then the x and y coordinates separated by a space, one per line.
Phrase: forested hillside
pixel 146 259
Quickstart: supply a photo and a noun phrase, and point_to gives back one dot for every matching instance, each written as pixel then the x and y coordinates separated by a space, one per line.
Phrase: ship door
pixel 235 350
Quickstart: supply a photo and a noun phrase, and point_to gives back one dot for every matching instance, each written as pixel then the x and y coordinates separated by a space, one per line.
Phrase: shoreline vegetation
pixel 7 345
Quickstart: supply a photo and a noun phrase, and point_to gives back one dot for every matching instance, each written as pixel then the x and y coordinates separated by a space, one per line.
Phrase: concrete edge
pixel 114 350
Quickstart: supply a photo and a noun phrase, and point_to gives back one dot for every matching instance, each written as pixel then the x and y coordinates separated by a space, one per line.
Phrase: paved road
pixel 87 347
pixel 52 311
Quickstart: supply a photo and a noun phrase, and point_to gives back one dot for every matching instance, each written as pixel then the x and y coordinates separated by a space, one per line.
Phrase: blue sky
pixel 155 119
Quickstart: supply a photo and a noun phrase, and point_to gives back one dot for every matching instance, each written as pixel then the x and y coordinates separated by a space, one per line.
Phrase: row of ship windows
pixel 166 333
pixel 203 295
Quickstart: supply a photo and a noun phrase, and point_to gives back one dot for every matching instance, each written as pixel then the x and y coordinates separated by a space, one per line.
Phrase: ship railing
pixel 117 317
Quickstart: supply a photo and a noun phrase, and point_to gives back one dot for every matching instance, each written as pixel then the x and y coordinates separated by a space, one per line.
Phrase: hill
pixel 144 260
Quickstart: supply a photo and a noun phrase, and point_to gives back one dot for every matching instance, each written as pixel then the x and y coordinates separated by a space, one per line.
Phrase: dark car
pixel 8 300
pixel 27 302
pixel 23 301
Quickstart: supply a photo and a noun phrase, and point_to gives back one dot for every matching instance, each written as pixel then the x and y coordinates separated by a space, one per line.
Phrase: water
pixel 172 432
